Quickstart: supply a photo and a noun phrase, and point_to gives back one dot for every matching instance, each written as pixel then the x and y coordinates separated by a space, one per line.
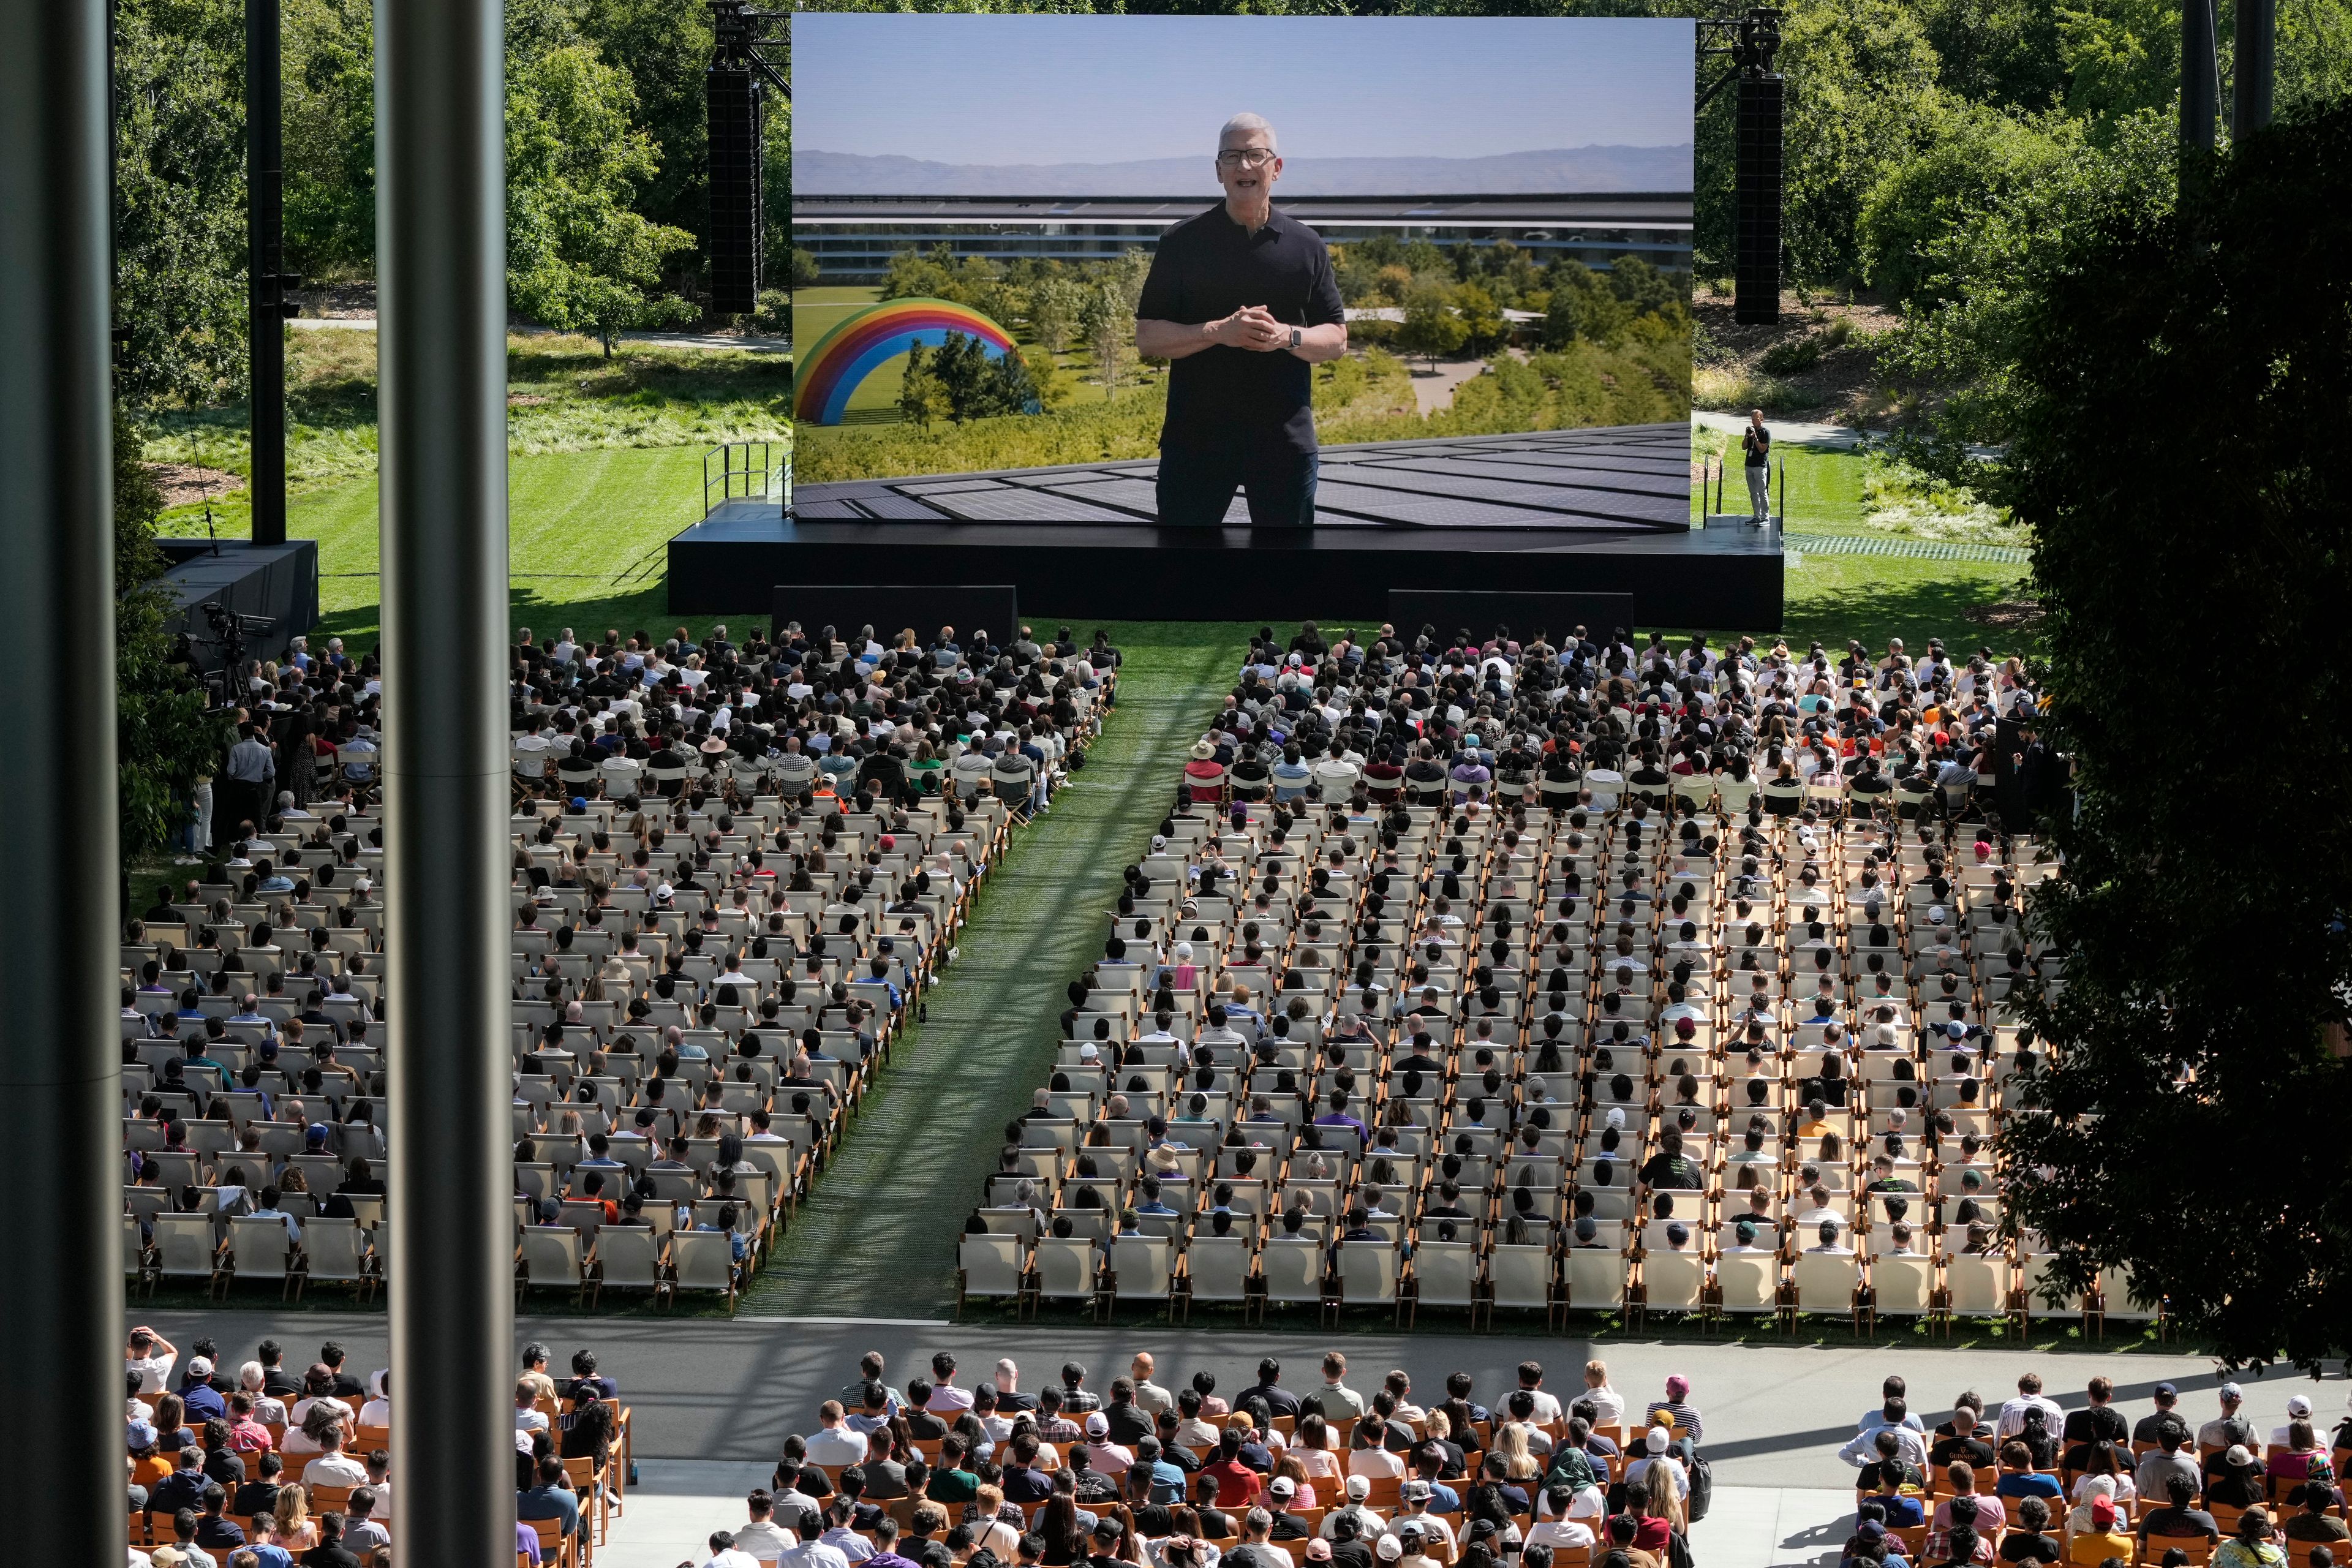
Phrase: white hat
pixel 1656 1440
pixel 2298 1408
pixel 1389 1548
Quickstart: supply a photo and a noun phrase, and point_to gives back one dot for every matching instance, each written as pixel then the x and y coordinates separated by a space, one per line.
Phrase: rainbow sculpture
pixel 860 343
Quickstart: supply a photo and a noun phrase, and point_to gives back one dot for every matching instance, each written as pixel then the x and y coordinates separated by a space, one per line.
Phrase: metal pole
pixel 265 233
pixel 441 291
pixel 60 1073
pixel 2201 95
pixel 2257 66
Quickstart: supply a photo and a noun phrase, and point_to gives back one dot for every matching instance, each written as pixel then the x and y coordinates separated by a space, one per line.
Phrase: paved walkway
pixel 1789 432
pixel 1775 1415
pixel 878 1238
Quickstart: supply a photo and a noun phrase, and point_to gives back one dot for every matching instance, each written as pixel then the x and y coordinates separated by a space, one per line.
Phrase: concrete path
pixel 1432 393
pixel 1791 432
pixel 1774 1414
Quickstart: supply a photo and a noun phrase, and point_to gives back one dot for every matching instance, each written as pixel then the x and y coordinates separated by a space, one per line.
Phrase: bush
pixel 1791 356
pixel 774 314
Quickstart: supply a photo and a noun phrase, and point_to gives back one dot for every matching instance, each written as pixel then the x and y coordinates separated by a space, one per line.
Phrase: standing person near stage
pixel 1756 448
pixel 1244 302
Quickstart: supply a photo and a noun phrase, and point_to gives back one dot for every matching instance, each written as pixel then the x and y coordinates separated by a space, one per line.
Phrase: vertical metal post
pixel 61 1294
pixel 2257 66
pixel 441 292
pixel 2200 92
pixel 265 242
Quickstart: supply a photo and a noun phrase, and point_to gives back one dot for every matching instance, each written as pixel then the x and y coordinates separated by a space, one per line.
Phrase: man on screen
pixel 1242 300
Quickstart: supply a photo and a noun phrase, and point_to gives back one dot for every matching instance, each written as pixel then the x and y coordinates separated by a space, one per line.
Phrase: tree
pixel 1107 320
pixel 1582 306
pixel 578 257
pixel 163 738
pixel 2184 377
pixel 805 271
pixel 921 397
pixel 1054 304
pixel 1481 319
pixel 329 115
pixel 1986 158
pixel 1429 329
pixel 180 201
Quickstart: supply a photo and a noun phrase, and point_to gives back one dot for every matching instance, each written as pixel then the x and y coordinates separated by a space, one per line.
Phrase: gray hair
pixel 1246 121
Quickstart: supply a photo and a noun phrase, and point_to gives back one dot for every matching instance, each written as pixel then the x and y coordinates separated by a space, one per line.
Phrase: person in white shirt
pixel 832 1445
pixel 763 1537
pixel 946 1398
pixel 333 1468
pixel 2030 1397
pixel 724 1555
pixel 528 1416
pixel 1608 1404
pixel 1558 1529
pixel 1547 1409
pixel 152 1356
pixel 377 1411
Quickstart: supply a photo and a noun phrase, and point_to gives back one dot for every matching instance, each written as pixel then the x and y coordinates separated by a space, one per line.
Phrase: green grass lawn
pixel 586 532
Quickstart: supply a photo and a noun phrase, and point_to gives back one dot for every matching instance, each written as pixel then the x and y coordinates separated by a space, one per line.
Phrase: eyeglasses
pixel 1246 157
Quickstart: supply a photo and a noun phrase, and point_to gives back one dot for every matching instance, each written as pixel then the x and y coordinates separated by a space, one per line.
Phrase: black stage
pixel 1627 475
pixel 279 582
pixel 1592 511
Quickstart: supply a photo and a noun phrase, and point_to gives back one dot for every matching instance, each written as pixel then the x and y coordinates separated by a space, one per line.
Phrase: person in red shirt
pixel 1237 1484
pixel 245 1436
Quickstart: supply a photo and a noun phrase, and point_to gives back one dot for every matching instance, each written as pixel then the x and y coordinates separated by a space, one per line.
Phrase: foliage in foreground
pixel 2179 457
pixel 162 738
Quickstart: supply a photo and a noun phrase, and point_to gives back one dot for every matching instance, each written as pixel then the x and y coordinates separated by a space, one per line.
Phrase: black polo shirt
pixel 1206 269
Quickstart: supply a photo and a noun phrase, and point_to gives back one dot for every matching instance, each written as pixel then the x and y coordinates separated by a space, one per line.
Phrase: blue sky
pixel 1065 89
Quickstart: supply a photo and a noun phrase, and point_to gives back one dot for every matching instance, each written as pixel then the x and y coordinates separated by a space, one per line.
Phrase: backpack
pixel 1702 1488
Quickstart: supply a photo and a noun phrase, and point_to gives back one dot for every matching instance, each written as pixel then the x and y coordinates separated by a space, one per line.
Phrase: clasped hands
pixel 1252 327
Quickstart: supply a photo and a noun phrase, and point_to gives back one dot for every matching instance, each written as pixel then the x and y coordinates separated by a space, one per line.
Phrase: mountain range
pixel 1556 170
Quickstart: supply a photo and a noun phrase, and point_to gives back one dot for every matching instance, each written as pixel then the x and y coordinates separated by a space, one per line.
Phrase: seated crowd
pixel 938 1474
pixel 1460 1013
pixel 735 871
pixel 2029 1482
pixel 264 1467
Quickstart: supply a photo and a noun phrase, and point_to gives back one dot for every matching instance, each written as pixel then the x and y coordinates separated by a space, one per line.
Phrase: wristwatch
pixel 1294 339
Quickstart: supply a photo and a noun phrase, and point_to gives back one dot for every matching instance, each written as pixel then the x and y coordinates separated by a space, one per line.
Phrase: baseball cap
pixel 1283 1486
pixel 141 1433
pixel 1097 1427
pixel 1415 1491
pixel 2238 1459
pixel 2102 1511
pixel 2231 1391
pixel 200 1368
pixel 1358 1487
pixel 1389 1548
pixel 2166 1391
pixel 1871 1530
pixel 1656 1441
pixel 2299 1407
pixel 1318 1551
pixel 1410 1527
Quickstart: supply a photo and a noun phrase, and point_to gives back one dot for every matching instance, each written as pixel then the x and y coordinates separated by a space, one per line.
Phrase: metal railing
pixel 746 471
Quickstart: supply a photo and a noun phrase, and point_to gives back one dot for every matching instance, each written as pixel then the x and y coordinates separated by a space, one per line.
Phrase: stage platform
pixel 1579 512
pixel 1726 579
pixel 278 581
pixel 1612 479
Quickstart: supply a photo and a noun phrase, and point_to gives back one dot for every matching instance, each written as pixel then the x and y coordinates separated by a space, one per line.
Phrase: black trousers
pixel 1197 486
